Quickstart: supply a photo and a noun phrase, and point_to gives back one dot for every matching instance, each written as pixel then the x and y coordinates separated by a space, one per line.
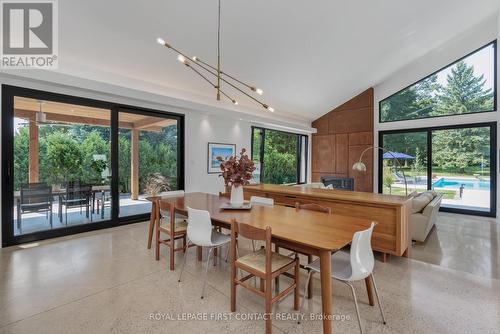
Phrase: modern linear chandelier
pixel 216 73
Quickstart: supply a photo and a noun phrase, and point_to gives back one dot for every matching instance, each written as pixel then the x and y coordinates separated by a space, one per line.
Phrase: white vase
pixel 237 195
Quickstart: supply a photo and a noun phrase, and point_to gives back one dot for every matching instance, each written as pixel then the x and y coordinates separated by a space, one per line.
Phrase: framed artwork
pixel 218 150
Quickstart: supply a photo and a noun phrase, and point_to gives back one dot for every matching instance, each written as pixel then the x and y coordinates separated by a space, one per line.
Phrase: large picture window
pixel 464 87
pixel 280 157
pixel 458 162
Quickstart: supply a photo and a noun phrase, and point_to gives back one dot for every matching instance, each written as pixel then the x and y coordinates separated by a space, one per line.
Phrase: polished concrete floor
pixel 465 243
pixel 108 282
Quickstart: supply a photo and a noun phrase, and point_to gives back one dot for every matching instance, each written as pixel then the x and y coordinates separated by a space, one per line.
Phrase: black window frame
pixel 494 43
pixel 7 161
pixel 429 131
pixel 299 147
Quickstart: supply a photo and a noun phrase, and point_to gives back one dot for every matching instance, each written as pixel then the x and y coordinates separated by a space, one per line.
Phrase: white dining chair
pixel 200 233
pixel 262 200
pixel 348 268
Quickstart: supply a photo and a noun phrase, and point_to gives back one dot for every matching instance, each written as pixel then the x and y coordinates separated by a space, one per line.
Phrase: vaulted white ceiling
pixel 307 56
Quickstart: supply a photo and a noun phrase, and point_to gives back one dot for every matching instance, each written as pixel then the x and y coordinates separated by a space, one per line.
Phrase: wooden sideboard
pixel 391 235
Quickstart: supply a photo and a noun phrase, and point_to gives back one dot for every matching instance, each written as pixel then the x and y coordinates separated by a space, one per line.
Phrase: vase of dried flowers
pixel 237 172
pixel 156 184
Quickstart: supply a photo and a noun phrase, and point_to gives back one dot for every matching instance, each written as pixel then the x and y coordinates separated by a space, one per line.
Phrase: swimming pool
pixel 455 183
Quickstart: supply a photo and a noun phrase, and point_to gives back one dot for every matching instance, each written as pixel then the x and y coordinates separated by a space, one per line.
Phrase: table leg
pixel 369 290
pixel 152 222
pixel 325 258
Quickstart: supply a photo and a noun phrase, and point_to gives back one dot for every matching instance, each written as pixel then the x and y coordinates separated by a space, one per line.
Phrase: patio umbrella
pixel 397 155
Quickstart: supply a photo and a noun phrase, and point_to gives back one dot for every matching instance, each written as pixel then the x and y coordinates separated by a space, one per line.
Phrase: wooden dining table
pixel 304 231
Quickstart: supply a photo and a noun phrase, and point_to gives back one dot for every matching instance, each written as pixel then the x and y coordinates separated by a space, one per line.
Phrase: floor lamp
pixel 361 167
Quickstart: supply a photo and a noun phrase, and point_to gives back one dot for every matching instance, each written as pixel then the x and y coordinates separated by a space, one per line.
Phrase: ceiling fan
pixel 41 118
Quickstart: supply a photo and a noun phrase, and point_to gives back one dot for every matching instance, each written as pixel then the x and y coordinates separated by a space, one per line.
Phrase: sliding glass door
pixel 61 164
pixel 71 164
pixel 462 168
pixel 405 156
pixel 148 157
pixel 458 162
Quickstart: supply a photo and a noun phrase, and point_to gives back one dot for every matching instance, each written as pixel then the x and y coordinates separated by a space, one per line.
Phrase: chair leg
pixel 378 299
pixel 185 260
pixel 227 253
pixel 277 278
pixel 172 252
pixel 269 305
pixel 206 273
pixel 355 304
pixel 310 285
pixel 50 218
pixel 309 277
pixel 296 295
pixel 157 245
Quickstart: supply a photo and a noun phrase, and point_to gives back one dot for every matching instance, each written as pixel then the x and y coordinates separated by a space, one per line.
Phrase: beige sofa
pixel 422 219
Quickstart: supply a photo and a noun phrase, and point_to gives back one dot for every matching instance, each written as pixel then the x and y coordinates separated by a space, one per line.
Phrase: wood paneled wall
pixel 342 135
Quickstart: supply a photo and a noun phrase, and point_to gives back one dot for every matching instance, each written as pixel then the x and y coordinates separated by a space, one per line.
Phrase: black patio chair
pixel 75 195
pixel 34 198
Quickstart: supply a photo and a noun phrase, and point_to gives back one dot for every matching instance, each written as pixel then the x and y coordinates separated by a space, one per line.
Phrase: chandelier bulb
pixel 259 91
pixel 271 109
pixel 160 41
pixel 181 58
pixel 235 102
pixel 195 58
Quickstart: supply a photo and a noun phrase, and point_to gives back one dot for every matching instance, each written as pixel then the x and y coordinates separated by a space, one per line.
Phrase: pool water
pixel 451 183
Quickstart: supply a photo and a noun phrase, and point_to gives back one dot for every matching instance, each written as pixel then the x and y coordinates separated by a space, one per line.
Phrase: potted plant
pixel 98 167
pixel 237 172
pixel 156 184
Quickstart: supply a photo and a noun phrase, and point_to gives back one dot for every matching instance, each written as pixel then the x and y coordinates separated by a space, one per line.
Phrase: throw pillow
pixel 420 202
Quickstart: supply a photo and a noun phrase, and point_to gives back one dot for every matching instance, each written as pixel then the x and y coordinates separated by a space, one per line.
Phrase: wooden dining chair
pixel 312 207
pixel 174 228
pixel 264 264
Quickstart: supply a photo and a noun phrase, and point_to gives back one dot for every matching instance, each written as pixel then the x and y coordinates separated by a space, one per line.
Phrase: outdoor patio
pixel 34 222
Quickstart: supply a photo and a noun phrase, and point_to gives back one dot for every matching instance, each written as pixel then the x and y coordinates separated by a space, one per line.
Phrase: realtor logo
pixel 29 34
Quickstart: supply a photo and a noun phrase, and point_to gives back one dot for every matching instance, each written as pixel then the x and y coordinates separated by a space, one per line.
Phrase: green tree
pixel 464 92
pixel 460 148
pixel 387 177
pixel 63 157
pixel 415 101
pixel 279 167
pixel 21 151
pixel 93 144
pixel 124 162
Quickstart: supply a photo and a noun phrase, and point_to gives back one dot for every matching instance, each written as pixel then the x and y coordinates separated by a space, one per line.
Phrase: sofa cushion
pixel 432 193
pixel 420 202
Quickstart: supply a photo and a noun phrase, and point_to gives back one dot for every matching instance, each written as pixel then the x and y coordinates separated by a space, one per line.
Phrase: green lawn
pixel 447 194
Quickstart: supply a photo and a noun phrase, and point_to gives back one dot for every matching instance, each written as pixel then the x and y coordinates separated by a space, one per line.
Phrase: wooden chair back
pixel 164 209
pixel 313 207
pixel 253 233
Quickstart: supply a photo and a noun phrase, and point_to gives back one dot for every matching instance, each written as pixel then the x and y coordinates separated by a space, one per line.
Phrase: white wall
pixel 201 129
pixel 202 125
pixel 449 52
